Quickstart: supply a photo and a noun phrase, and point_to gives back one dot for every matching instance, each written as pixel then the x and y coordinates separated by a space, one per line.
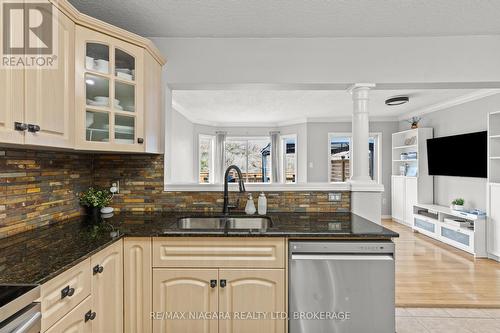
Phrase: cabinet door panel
pixel 252 291
pixel 493 223
pixel 50 92
pixel 107 289
pixel 54 303
pixel 184 291
pixel 398 198
pixel 411 198
pixel 138 291
pixel 74 321
pixel 11 104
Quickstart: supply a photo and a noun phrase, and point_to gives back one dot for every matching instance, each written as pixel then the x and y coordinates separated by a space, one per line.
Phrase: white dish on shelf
pixel 129 108
pixel 95 103
pixel 124 70
pixel 122 129
pixel 118 106
pixel 124 76
pixel 101 98
pixel 101 65
pixel 89 63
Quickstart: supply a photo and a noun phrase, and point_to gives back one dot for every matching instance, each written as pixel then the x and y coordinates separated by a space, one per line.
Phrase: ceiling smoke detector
pixel 398 100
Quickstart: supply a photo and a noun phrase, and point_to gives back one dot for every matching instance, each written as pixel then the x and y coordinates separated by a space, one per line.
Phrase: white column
pixel 360 132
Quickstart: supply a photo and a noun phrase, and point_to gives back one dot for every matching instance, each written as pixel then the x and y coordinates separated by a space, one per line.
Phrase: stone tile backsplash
pixel 40 187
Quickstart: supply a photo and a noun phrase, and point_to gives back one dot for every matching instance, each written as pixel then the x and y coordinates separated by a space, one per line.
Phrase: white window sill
pixel 274 187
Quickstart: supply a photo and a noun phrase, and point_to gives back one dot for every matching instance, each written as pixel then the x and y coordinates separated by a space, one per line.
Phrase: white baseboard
pixel 386 217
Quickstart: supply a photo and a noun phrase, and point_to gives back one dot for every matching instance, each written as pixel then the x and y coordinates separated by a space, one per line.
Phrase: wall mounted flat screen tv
pixel 463 155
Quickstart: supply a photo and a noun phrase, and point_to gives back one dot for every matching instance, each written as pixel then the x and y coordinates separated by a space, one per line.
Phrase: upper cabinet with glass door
pixel 109 96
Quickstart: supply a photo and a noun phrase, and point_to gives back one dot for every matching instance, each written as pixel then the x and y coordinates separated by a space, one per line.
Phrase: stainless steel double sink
pixel 225 223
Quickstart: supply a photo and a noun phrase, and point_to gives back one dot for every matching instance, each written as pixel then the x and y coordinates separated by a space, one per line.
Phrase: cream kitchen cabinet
pixel 78 320
pixel 104 94
pixel 38 103
pixel 137 284
pixel 107 289
pixel 188 291
pixel 87 297
pixel 252 291
pixel 109 93
pixel 200 276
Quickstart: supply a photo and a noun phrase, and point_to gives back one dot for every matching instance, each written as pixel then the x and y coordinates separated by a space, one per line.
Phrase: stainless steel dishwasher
pixel 341 287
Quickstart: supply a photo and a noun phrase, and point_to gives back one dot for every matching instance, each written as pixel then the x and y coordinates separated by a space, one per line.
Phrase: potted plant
pixel 458 204
pixel 94 199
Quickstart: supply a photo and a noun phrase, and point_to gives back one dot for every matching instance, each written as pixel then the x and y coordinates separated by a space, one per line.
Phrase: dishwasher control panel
pixel 341 247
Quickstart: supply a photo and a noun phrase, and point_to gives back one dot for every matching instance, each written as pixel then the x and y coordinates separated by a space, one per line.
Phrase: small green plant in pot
pixel 458 204
pixel 94 199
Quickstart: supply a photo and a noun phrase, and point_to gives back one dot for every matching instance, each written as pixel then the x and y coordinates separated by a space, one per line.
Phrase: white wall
pixel 464 118
pixel 182 149
pixel 330 60
pixel 317 151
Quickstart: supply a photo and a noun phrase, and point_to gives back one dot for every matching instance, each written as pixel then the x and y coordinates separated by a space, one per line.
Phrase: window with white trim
pixel 339 159
pixel 289 161
pixel 253 155
pixel 206 159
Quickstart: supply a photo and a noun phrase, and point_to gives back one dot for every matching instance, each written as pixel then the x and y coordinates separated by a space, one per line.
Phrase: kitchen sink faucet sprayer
pixel 225 209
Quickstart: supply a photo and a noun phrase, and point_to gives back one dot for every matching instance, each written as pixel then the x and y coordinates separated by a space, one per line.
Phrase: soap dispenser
pixel 250 206
pixel 262 204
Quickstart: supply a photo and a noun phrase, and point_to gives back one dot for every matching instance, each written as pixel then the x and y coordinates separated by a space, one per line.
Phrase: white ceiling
pixel 298 18
pixel 279 107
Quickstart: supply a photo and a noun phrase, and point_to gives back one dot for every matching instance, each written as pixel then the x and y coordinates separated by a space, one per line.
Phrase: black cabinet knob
pixel 213 283
pixel 140 140
pixel 97 269
pixel 67 292
pixel 33 128
pixel 20 126
pixel 90 315
pixel 223 283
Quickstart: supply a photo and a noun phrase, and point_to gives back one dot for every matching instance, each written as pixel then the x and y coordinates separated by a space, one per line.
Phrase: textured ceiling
pixel 297 18
pixel 219 107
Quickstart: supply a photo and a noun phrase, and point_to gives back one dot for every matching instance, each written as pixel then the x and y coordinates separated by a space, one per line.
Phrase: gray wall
pixel 317 152
pixel 464 118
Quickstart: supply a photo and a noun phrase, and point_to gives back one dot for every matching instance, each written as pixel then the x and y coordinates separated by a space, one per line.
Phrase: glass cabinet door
pixel 110 90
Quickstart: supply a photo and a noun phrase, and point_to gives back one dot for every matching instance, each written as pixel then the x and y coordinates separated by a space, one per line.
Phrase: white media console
pixel 438 222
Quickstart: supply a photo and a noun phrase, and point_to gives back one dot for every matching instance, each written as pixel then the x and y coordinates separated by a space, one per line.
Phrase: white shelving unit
pixel 493 192
pixel 414 185
pixel 437 222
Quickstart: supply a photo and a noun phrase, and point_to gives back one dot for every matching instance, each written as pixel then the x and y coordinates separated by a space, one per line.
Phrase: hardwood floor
pixel 432 274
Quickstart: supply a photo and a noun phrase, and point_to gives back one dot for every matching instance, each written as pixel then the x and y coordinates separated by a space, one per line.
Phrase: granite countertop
pixel 37 256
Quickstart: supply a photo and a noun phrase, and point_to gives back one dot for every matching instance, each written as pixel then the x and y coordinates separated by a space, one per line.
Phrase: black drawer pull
pixel 223 283
pixel 97 269
pixel 213 283
pixel 140 140
pixel 67 291
pixel 90 315
pixel 20 126
pixel 33 128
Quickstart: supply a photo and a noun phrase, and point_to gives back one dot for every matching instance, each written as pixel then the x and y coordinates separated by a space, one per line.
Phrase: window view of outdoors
pixel 252 156
pixel 289 164
pixel 205 151
pixel 340 158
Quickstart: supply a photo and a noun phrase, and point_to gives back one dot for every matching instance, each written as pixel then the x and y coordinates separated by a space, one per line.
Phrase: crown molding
pixel 92 23
pixel 475 95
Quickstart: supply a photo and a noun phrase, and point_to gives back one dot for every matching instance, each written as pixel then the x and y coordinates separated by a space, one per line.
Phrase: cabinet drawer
pixel 75 320
pixel 425 225
pixel 56 301
pixel 455 237
pixel 219 252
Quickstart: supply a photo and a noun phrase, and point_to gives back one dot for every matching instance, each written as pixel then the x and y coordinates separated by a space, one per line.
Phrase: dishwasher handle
pixel 346 256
